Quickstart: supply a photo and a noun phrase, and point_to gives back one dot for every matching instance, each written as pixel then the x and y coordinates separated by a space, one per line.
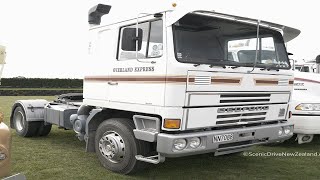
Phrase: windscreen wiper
pixel 269 68
pixel 220 65
pixel 231 63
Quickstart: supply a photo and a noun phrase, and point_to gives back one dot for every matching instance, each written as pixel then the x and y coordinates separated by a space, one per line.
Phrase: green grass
pixel 62 156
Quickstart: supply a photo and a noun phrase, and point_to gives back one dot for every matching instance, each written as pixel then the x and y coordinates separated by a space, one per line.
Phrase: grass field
pixel 62 156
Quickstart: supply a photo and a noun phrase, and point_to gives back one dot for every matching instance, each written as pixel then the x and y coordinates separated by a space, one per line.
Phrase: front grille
pixel 241 115
pixel 244 95
pixel 240 120
pixel 244 98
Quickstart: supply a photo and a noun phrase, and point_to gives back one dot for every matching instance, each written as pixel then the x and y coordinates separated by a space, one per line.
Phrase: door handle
pixel 113 83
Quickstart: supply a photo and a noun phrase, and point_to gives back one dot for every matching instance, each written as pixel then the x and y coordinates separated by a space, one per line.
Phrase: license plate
pixel 222 138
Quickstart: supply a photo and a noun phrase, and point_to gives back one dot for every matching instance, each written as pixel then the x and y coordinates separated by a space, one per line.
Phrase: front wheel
pixel 116 146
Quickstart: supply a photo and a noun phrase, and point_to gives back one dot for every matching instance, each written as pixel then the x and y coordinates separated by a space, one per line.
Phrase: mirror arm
pixel 137 39
pixel 258 44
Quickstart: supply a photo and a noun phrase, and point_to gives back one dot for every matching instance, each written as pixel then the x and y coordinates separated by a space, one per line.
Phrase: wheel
pixel 44 130
pixel 24 128
pixel 116 146
pixel 292 140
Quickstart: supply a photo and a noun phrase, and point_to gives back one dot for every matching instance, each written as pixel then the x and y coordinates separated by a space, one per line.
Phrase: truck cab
pixel 161 85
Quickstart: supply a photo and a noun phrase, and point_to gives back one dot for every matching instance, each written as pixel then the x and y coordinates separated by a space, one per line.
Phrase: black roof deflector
pixel 97 12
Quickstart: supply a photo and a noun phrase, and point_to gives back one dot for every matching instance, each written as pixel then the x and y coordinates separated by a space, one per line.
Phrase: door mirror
pixel 318 59
pixel 129 39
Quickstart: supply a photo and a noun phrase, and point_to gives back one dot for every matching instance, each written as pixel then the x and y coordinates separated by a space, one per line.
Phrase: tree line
pixel 40 83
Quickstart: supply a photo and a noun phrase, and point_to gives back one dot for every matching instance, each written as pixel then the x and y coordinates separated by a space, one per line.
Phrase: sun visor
pixel 288 32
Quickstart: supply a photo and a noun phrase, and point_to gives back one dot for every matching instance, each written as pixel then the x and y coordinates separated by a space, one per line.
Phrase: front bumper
pixel 306 123
pixel 242 139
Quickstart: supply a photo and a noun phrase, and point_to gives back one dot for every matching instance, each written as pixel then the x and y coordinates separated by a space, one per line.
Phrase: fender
pixel 96 117
pixel 34 109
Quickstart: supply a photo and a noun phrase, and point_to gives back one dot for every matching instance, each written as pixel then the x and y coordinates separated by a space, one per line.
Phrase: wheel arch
pixel 33 109
pixel 97 116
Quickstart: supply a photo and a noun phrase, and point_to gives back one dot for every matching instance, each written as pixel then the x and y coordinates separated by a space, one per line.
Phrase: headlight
pixel 180 144
pixel 287 130
pixel 280 132
pixel 308 107
pixel 195 142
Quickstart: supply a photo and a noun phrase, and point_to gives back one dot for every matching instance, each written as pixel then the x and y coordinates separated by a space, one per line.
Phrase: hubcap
pixel 19 119
pixel 112 147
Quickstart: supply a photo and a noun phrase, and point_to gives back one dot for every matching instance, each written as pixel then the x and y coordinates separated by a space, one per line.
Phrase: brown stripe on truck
pixel 159 79
pixel 267 82
pixel 141 79
pixel 225 81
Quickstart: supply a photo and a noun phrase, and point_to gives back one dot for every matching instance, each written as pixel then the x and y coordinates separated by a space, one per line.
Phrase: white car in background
pixel 305 104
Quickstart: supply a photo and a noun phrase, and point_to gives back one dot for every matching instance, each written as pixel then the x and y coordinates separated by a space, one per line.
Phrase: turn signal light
pixel 172 123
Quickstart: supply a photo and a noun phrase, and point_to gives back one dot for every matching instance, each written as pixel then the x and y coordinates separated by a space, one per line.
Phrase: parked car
pixel 305 102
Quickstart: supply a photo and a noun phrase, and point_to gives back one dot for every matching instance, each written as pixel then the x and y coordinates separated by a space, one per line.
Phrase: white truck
pixel 306 102
pixel 161 85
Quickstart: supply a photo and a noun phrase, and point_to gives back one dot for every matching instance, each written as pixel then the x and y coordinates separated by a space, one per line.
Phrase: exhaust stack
pixel 96 12
pixel 318 63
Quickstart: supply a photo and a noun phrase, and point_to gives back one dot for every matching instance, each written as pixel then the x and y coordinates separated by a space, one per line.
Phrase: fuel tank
pixel 5 147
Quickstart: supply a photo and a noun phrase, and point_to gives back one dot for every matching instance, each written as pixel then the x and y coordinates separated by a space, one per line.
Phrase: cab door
pixel 139 78
pixel 102 50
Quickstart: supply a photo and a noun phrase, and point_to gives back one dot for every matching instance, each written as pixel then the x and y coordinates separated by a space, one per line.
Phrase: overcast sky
pixel 48 38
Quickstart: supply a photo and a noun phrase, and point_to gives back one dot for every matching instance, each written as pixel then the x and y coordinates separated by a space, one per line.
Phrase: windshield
pixel 203 39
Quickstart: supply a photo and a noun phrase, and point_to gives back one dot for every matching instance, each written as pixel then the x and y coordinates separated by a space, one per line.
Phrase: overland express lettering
pixel 135 69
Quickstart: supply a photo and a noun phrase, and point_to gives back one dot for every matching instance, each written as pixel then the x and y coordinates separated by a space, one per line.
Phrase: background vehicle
pixel 309 66
pixel 182 98
pixel 5 135
pixel 306 102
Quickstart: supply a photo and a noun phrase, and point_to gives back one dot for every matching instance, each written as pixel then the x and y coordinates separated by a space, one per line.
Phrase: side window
pixel 156 40
pixel 152 40
pixel 125 55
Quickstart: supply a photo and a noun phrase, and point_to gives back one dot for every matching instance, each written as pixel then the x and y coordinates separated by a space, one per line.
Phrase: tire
pixel 292 140
pixel 119 132
pixel 44 130
pixel 23 127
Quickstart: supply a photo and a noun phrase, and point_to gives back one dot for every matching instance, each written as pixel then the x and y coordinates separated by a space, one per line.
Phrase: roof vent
pixel 97 12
